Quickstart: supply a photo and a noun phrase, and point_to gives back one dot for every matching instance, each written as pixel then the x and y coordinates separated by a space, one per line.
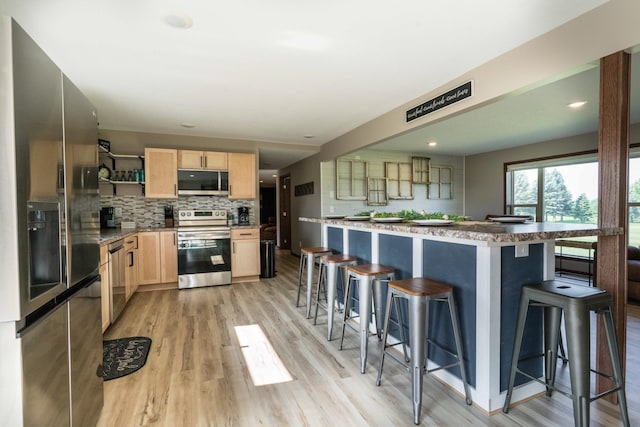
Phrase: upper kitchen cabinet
pixel 161 173
pixel 208 160
pixel 242 176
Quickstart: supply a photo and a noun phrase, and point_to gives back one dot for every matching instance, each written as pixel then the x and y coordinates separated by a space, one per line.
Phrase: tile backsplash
pixel 150 212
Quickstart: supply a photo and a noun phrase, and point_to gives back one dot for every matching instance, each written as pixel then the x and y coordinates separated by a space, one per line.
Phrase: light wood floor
pixel 196 375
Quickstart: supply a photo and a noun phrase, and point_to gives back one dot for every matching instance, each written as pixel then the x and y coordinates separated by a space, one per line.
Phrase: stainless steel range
pixel 204 248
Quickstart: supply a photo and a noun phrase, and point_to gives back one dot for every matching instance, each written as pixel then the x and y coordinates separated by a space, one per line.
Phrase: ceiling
pixel 297 74
pixel 539 114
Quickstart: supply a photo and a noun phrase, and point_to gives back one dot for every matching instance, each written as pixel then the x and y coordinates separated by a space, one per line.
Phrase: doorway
pixel 285 211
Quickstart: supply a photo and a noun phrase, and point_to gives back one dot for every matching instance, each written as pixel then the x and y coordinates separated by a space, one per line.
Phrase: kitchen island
pixel 487 263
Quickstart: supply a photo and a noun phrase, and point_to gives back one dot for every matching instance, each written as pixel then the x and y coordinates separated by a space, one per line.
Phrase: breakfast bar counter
pixel 487 263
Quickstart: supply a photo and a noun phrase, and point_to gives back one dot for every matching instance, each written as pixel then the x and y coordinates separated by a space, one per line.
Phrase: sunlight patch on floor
pixel 265 367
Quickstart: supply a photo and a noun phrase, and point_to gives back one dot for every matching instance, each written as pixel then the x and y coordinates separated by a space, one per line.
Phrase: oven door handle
pixel 203 236
pixel 186 248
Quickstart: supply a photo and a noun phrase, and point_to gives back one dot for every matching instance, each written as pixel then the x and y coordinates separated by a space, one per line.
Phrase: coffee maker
pixel 107 218
pixel 243 216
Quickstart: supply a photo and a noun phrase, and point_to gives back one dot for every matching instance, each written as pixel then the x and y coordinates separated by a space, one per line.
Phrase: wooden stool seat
pixel 371 270
pixel 420 287
pixel 315 251
pixel 338 258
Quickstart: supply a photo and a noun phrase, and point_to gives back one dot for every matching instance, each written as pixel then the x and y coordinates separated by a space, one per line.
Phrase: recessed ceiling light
pixel 432 143
pixel 261 181
pixel 187 125
pixel 577 104
pixel 178 20
pixel 309 136
pixel 274 176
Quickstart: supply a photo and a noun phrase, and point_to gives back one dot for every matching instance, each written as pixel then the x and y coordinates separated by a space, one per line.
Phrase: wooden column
pixel 613 156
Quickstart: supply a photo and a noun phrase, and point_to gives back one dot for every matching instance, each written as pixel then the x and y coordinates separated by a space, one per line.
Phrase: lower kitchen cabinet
pixel 168 256
pixel 245 254
pixel 104 287
pixel 158 257
pixel 131 265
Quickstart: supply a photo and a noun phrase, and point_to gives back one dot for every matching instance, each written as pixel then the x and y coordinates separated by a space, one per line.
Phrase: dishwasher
pixel 117 294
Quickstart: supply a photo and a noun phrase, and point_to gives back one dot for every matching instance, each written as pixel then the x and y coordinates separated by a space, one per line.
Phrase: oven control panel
pixel 194 217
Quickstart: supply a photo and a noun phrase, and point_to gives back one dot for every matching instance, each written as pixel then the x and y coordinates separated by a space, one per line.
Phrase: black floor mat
pixel 124 356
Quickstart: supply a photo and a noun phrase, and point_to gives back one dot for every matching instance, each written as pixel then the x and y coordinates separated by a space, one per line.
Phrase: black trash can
pixel 267 258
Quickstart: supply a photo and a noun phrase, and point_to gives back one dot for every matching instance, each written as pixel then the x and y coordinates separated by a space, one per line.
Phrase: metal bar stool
pixel 576 302
pixel 328 270
pixel 308 258
pixel 369 278
pixel 419 292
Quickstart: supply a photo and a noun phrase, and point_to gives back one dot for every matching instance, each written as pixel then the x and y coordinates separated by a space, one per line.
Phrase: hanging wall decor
pixel 303 189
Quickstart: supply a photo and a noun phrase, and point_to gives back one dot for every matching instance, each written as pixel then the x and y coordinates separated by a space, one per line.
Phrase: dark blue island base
pixel 487 264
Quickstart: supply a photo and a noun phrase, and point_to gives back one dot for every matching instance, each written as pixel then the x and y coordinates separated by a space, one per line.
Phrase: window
pixel 563 190
pixel 555 193
pixel 634 200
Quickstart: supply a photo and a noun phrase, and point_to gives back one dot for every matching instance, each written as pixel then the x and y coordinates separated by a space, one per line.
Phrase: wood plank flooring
pixel 196 375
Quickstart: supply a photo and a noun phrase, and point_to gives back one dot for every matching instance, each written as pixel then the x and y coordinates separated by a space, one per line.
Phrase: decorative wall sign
pixel 304 189
pixel 434 104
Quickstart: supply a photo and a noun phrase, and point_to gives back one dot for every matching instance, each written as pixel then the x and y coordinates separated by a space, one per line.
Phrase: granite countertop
pixel 110 235
pixel 488 231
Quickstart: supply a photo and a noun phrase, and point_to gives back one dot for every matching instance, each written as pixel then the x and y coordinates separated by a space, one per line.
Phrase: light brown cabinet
pixel 209 160
pixel 242 176
pixel 245 254
pixel 104 287
pixel 168 256
pixel 158 256
pixel 131 266
pixel 161 173
pixel 149 258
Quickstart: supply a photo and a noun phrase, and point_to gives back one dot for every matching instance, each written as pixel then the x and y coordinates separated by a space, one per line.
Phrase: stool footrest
pixel 353 325
pixel 451 365
pixel 446 350
pixel 604 393
pixel 566 393
pixel 538 380
pixel 397 358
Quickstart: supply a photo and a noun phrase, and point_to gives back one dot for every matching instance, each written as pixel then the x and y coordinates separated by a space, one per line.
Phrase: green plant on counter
pixel 412 214
pixel 386 215
pixel 363 213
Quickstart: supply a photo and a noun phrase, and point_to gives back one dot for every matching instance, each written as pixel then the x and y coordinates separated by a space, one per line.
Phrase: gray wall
pixel 304 234
pixel 484 173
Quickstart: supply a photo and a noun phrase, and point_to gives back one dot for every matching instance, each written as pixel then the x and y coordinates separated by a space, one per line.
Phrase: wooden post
pixel 613 156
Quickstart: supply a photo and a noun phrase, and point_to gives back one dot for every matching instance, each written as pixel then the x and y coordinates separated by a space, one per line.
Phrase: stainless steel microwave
pixel 197 182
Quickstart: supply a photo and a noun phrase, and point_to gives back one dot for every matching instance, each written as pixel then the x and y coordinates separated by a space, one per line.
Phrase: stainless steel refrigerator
pixel 50 320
